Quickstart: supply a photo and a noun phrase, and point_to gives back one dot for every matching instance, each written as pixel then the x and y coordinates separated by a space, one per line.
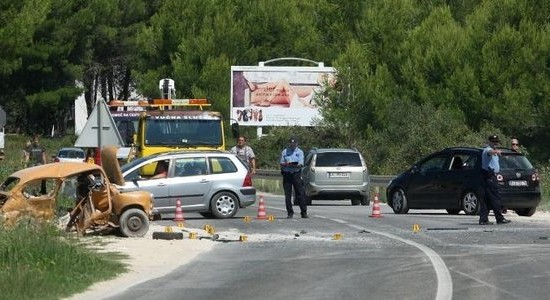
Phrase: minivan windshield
pixel 337 159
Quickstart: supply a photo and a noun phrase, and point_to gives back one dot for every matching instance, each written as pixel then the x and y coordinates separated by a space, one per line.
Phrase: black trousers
pixel 491 199
pixel 291 180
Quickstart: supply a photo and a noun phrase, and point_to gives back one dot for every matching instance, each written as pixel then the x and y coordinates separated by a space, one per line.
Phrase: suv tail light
pixel 56 159
pixel 247 180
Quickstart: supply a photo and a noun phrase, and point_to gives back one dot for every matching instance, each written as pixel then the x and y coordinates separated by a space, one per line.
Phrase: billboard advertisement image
pixel 277 96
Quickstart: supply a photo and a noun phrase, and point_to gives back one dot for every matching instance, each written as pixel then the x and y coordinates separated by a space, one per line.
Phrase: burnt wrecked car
pixel 86 191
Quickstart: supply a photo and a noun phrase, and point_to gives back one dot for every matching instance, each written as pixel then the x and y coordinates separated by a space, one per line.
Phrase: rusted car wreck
pixel 86 191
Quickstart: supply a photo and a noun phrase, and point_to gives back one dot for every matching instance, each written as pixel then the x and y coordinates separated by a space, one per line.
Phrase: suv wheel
pixel 365 200
pixel 355 201
pixel 470 203
pixel 224 205
pixel 399 201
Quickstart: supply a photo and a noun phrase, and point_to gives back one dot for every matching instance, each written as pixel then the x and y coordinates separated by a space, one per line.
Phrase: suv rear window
pixel 514 162
pixel 336 159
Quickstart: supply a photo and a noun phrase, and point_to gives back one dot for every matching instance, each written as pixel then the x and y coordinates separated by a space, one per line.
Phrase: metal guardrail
pixel 375 180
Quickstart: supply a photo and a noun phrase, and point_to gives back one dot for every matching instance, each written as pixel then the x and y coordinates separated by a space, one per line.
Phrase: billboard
pixel 277 96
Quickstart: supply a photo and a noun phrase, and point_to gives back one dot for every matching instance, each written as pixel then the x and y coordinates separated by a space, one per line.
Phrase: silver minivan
pixel 212 183
pixel 336 174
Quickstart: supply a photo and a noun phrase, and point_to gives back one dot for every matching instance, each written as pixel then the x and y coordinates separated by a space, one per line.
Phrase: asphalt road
pixel 342 253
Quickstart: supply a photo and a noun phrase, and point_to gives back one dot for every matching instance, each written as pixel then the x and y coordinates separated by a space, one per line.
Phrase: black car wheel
pixel 399 201
pixel 134 223
pixel 526 212
pixel 470 203
pixel 224 205
pixel 453 211
pixel 355 201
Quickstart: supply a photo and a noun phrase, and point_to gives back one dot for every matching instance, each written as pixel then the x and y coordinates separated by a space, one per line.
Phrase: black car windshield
pixel 336 159
pixel 509 161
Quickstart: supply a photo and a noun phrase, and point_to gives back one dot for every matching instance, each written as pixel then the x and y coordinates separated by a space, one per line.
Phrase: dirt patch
pixel 148 259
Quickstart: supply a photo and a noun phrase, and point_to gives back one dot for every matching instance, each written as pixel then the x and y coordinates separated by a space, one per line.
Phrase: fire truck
pixel 168 124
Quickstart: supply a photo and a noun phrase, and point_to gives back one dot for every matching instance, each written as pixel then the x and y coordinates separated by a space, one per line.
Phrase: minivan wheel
pixel 134 223
pixel 526 212
pixel 224 205
pixel 470 203
pixel 399 201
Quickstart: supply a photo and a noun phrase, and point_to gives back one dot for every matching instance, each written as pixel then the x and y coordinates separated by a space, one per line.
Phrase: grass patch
pixel 37 261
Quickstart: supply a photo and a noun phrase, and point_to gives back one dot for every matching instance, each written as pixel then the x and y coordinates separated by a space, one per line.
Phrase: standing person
pixel 292 160
pixel 515 144
pixel 491 167
pixel 244 152
pixel 35 154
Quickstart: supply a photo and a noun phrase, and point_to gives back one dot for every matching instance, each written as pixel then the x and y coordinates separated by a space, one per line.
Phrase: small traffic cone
pixel 261 210
pixel 179 213
pixel 376 208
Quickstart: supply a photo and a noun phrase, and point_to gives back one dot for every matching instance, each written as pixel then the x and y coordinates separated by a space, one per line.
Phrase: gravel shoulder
pixel 147 259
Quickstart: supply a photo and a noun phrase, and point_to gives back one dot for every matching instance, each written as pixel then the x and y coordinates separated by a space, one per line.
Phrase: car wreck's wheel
pixel 470 203
pixel 224 205
pixel 134 223
pixel 526 212
pixel 399 201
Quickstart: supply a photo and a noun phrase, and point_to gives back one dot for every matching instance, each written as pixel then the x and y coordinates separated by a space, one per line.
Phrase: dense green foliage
pixel 414 76
pixel 38 261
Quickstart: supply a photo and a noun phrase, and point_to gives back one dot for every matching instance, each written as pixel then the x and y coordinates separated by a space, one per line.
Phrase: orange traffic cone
pixel 261 210
pixel 376 208
pixel 179 213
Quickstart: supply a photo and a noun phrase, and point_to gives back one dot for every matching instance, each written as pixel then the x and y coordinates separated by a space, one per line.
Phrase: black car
pixel 451 179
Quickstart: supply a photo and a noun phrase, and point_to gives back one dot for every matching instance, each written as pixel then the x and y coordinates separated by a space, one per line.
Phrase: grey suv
pixel 336 174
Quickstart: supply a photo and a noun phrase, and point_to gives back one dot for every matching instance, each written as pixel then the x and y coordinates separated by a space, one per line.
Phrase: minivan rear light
pixel 247 180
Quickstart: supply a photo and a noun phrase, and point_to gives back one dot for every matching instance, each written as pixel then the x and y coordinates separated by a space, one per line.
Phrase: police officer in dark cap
pixel 292 161
pixel 491 167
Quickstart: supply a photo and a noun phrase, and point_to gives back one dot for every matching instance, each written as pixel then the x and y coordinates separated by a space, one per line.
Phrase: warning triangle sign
pixel 100 129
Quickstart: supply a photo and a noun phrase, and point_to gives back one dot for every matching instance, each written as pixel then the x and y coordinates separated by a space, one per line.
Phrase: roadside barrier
pixel 375 180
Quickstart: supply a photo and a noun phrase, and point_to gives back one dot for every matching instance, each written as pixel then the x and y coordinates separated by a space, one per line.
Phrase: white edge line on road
pixel 444 280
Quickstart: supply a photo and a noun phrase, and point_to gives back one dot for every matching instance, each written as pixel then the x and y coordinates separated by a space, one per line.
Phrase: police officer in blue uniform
pixel 292 160
pixel 491 167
